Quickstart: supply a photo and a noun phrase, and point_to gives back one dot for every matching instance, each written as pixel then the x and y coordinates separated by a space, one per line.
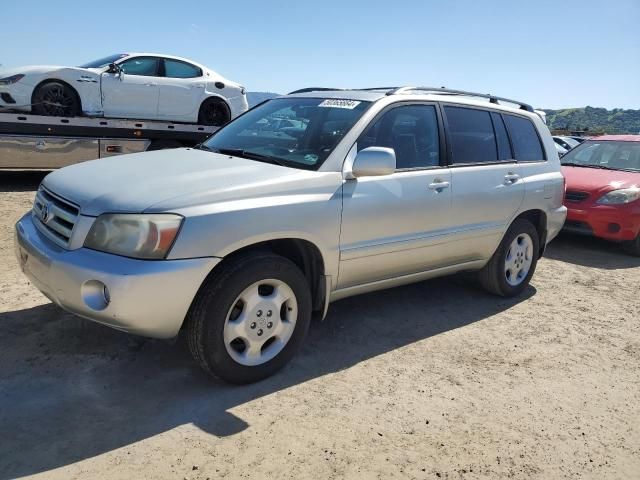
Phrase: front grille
pixel 54 216
pixel 573 196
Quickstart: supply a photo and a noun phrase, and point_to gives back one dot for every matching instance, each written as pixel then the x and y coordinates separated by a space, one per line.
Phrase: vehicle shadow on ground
pixel 71 389
pixel 590 252
pixel 22 181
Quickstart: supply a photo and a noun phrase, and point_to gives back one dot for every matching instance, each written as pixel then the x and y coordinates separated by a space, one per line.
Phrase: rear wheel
pixel 249 318
pixel 214 112
pixel 512 265
pixel 56 99
pixel 632 247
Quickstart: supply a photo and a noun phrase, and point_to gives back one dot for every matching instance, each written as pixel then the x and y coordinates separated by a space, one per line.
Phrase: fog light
pixel 614 227
pixel 95 294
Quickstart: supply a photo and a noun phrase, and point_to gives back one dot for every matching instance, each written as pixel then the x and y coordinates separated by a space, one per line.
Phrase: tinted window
pixel 471 135
pixel 412 131
pixel 524 138
pixel 177 69
pixel 147 66
pixel 502 139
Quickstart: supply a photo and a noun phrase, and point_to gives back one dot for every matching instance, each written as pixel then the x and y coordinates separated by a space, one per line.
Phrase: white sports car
pixel 128 85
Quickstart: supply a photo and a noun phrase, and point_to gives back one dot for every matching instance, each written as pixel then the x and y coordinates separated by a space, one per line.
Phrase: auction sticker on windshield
pixel 336 103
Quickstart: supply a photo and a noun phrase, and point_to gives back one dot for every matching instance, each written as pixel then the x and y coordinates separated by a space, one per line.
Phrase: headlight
pixel 11 79
pixel 616 197
pixel 138 236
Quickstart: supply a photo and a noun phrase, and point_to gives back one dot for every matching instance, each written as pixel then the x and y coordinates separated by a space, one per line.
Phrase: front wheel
pixel 512 265
pixel 249 318
pixel 56 99
pixel 632 247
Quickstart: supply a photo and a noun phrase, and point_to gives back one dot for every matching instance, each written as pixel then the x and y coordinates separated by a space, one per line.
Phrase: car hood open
pixel 168 180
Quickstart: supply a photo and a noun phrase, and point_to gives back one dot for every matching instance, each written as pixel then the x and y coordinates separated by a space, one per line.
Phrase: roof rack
pixel 448 91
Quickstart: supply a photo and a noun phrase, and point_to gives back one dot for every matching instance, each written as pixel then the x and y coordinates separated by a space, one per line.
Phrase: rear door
pixel 487 189
pixel 135 92
pixel 181 91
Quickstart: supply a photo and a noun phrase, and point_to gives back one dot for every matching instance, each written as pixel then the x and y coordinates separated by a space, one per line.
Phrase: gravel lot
pixel 433 380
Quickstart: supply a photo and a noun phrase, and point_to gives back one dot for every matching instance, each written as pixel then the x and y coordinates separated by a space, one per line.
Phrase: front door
pixel 397 224
pixel 134 93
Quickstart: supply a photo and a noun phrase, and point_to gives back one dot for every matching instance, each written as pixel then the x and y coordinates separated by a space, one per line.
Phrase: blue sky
pixel 562 53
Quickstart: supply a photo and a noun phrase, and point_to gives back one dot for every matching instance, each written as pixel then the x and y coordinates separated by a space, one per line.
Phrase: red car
pixel 603 189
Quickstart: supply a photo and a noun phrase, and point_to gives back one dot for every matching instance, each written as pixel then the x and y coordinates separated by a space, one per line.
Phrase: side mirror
pixel 113 68
pixel 374 162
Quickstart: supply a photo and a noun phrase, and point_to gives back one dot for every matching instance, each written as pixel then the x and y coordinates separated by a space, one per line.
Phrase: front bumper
pixel 149 298
pixel 20 94
pixel 612 222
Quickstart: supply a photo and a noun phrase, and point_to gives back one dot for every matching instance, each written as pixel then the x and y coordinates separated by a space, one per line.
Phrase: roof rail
pixel 448 91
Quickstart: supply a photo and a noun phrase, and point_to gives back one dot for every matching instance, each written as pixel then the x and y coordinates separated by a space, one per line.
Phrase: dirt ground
pixel 432 380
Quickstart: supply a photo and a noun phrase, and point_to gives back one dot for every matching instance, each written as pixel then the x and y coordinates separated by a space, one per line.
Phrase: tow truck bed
pixel 38 142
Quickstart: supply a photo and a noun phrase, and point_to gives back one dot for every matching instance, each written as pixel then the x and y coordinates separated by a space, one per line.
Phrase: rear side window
pixel 524 138
pixel 502 139
pixel 177 69
pixel 471 135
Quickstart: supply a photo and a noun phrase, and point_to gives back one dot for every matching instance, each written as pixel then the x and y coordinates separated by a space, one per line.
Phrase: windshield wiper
pixel 585 165
pixel 238 152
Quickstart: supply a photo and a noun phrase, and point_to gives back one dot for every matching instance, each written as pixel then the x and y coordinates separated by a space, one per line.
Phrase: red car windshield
pixel 612 155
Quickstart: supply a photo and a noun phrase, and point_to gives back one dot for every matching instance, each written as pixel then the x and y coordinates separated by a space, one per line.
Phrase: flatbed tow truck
pixel 36 142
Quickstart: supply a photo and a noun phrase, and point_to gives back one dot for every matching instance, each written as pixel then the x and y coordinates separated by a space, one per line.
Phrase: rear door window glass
pixel 178 69
pixel 471 135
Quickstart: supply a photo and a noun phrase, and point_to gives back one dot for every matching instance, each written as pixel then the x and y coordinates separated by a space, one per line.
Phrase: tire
pixel 56 99
pixel 632 247
pixel 512 265
pixel 214 112
pixel 221 325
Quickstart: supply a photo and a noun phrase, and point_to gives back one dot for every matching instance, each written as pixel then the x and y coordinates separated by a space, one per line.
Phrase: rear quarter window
pixel 524 138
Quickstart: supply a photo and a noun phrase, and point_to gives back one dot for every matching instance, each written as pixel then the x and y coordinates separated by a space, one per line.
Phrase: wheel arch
pixel 218 98
pixel 304 253
pixel 539 220
pixel 57 80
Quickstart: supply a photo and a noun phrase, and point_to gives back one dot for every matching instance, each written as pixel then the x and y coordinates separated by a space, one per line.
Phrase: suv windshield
pixel 295 132
pixel 612 155
pixel 103 62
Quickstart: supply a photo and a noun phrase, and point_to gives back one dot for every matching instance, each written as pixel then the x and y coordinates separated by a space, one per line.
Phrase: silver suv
pixel 303 200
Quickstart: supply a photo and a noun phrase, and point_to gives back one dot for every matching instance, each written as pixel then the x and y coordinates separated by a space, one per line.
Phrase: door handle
pixel 438 185
pixel 511 178
pixel 150 84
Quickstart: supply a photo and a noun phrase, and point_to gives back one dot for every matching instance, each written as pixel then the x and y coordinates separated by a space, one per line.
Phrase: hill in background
pixel 254 98
pixel 594 120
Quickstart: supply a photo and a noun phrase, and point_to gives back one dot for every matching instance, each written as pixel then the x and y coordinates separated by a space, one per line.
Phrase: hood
pixel 42 69
pixel 598 181
pixel 168 180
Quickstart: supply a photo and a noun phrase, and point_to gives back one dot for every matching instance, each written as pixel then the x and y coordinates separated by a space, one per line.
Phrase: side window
pixel 412 131
pixel 471 134
pixel 502 139
pixel 178 69
pixel 524 138
pixel 146 66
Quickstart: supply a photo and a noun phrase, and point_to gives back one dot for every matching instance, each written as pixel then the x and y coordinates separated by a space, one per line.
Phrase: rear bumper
pixel 149 298
pixel 555 221
pixel 618 223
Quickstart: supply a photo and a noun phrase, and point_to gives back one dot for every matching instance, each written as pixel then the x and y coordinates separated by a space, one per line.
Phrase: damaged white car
pixel 128 85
